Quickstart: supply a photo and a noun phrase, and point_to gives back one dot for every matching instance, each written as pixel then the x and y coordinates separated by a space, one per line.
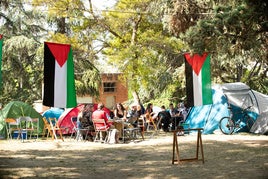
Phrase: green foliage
pixel 143 39
pixel 141 49
pixel 234 33
pixel 21 71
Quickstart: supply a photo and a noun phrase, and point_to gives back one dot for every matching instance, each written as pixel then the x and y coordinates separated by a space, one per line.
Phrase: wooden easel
pixel 176 156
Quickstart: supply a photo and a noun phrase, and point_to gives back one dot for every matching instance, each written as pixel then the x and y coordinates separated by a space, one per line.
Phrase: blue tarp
pixel 208 116
pixel 53 113
pixel 239 97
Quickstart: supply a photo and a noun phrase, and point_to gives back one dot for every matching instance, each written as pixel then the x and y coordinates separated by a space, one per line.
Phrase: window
pixel 109 87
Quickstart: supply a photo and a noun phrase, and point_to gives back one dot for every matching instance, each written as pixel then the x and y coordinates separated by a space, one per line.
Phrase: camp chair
pixel 150 122
pixel 100 127
pixel 132 130
pixel 47 128
pixel 26 125
pixel 11 126
pixel 141 126
pixel 36 129
pixel 151 128
pixel 77 130
pixel 159 123
pixel 55 128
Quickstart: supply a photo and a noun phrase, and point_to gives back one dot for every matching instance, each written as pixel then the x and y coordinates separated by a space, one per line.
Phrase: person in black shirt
pixel 85 118
pixel 165 118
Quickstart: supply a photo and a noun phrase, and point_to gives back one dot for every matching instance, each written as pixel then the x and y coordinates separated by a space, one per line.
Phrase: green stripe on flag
pixel 206 82
pixel 71 94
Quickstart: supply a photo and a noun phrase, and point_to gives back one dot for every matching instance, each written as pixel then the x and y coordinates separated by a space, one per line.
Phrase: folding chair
pixel 47 128
pixel 77 130
pixel 55 128
pixel 141 126
pixel 100 127
pixel 26 125
pixel 36 127
pixel 11 126
pixel 150 123
pixel 159 123
pixel 151 128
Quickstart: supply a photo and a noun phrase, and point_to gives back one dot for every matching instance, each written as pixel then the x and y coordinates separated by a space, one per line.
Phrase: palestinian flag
pixel 198 80
pixel 59 86
pixel 1 46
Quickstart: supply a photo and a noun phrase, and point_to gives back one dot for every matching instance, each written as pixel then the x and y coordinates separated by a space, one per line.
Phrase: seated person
pixel 175 116
pixel 150 115
pixel 182 110
pixel 101 114
pixel 85 119
pixel 165 117
pixel 84 116
pixel 121 113
pixel 133 114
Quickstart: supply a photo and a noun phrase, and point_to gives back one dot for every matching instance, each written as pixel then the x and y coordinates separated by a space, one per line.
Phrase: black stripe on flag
pixel 189 84
pixel 49 74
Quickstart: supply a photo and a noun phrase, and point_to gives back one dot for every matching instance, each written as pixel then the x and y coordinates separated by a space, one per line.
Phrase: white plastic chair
pixel 77 130
pixel 26 125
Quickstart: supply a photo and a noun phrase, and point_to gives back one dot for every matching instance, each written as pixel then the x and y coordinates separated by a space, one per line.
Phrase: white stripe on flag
pixel 60 91
pixel 197 87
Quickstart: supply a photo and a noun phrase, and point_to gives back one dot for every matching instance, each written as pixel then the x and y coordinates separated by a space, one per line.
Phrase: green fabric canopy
pixel 16 109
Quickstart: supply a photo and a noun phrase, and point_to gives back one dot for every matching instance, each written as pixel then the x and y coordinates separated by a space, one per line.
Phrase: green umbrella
pixel 16 109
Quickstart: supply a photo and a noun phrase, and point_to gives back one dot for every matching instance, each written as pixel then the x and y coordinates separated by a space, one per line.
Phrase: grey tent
pixel 261 124
pixel 239 95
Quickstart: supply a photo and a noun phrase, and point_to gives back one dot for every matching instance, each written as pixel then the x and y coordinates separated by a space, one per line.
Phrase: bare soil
pixel 226 156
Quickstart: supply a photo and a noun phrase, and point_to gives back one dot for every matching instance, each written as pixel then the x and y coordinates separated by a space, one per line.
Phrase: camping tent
pixel 261 124
pixel 239 95
pixel 65 118
pixel 53 113
pixel 16 109
pixel 208 116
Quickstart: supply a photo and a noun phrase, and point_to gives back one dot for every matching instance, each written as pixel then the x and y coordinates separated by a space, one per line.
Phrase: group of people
pixel 88 113
pixel 168 117
pixel 171 118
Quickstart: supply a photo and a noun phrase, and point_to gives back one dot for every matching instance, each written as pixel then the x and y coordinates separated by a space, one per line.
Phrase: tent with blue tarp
pixel 238 95
pixel 53 113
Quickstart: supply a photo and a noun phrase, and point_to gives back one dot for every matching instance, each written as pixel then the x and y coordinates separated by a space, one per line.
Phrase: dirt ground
pixel 234 156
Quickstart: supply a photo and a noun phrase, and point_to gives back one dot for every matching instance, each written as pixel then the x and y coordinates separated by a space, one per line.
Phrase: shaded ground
pixel 234 156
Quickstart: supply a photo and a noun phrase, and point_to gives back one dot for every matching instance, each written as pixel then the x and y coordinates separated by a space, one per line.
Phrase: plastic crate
pixel 16 133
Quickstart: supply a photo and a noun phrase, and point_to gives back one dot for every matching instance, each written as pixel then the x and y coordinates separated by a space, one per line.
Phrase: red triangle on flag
pixel 196 61
pixel 59 51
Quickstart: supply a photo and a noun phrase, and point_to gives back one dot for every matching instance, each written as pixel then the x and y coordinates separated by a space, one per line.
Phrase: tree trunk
pixel 136 97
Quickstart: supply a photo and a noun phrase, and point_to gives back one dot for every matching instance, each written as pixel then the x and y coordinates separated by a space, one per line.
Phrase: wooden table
pixel 176 155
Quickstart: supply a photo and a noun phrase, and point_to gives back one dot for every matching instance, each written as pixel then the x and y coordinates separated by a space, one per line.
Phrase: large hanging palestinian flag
pixel 198 79
pixel 1 46
pixel 59 86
